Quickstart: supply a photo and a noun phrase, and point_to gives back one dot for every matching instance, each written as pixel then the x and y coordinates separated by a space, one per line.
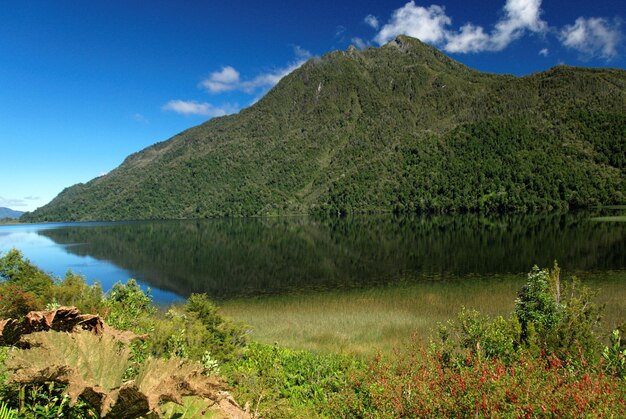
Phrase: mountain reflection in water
pixel 229 258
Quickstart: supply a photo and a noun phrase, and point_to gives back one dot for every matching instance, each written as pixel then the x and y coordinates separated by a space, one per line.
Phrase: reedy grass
pixel 363 322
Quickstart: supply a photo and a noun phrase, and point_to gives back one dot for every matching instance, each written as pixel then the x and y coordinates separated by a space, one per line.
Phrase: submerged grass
pixel 610 219
pixel 363 322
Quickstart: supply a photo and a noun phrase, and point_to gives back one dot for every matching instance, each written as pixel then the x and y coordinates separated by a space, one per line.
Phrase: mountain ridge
pixel 400 128
pixel 10 213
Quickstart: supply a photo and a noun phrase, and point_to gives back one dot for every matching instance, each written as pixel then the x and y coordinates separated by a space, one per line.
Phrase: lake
pixel 402 267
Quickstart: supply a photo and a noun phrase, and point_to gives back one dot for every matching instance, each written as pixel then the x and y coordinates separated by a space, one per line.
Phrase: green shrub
pixel 24 287
pixel 195 328
pixel 15 269
pixel 538 302
pixel 128 307
pixel 6 412
pixel 226 337
pixel 45 400
pixel 73 290
pixel 283 382
pixel 549 318
pixel 558 318
pixel 544 360
pixel 614 356
pixel 480 336
pixel 15 302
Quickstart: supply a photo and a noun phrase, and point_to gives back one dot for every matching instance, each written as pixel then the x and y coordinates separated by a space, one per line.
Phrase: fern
pixel 6 412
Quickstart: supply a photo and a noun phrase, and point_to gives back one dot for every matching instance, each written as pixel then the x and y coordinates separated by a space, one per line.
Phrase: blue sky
pixel 83 84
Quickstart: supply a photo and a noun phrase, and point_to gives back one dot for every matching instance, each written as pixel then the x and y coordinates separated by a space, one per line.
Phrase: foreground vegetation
pixel 545 359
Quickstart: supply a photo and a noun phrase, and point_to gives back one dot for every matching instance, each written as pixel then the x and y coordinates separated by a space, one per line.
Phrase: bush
pixel 227 337
pixel 195 328
pixel 558 319
pixel 538 302
pixel 549 318
pixel 73 290
pixel 283 382
pixel 614 356
pixel 14 269
pixel 15 302
pixel 419 383
pixel 480 336
pixel 23 288
pixel 128 307
pixel 45 400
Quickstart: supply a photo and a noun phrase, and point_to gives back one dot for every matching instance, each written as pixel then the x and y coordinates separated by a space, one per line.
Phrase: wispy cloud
pixel 191 107
pixel 340 32
pixel 544 52
pixel 360 43
pixel 593 37
pixel 140 118
pixel 590 36
pixel 229 79
pixel 372 21
pixel 12 202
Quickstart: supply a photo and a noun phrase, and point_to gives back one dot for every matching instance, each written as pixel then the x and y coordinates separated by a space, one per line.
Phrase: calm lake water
pixel 235 258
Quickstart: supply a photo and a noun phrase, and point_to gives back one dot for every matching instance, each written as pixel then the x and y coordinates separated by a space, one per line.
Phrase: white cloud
pixel 544 52
pixel 520 15
pixel 430 24
pixel 190 107
pixel 228 79
pixel 372 21
pixel 469 39
pixel 222 81
pixel 426 24
pixel 593 37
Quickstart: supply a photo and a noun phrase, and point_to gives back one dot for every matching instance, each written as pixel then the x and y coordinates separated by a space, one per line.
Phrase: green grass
pixel 610 219
pixel 362 322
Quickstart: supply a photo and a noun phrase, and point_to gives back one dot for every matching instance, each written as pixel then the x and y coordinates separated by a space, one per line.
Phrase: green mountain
pixel 397 128
pixel 9 213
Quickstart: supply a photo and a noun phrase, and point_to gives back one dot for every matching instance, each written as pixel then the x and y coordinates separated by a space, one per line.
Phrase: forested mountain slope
pixel 397 128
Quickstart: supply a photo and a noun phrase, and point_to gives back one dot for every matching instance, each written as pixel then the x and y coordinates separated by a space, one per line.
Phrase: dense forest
pixel 399 128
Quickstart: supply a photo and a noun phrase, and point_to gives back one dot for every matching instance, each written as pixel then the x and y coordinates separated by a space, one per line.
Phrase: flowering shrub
pixel 15 302
pixel 419 383
pixel 543 360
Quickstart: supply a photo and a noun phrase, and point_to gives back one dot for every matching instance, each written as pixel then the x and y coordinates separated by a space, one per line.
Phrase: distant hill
pixel 398 128
pixel 9 213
